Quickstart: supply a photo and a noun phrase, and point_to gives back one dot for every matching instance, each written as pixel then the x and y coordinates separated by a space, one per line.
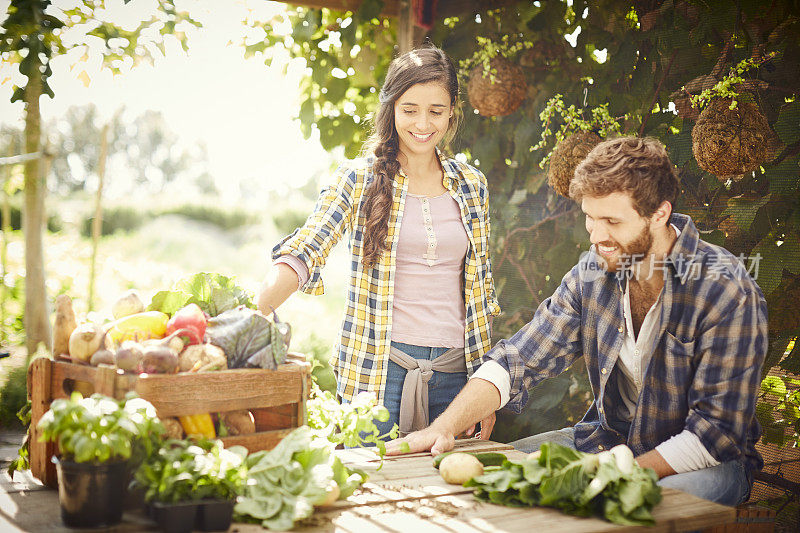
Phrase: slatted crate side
pixel 277 399
pixel 40 394
pixel 226 390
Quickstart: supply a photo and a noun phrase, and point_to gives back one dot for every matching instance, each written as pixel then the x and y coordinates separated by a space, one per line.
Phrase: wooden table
pixel 405 495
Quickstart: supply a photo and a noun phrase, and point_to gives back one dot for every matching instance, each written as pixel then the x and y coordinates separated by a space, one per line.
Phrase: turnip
pixel 332 492
pixel 458 468
pixel 590 463
pixel 128 356
pixel 128 304
pixel 102 356
pixel 84 341
pixel 605 457
pixel 624 458
pixel 158 359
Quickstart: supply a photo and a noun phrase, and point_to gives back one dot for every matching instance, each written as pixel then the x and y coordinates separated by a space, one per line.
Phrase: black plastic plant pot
pixel 91 495
pixel 215 515
pixel 175 517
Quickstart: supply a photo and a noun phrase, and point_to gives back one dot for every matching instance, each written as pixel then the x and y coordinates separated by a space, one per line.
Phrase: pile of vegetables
pixel 205 322
pixel 286 483
pixel 608 484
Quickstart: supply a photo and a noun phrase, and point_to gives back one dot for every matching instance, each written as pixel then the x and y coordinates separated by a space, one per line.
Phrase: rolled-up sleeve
pixel 331 218
pixel 545 346
pixel 732 349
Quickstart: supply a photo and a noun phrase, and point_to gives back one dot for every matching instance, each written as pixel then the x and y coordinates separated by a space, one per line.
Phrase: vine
pixel 601 122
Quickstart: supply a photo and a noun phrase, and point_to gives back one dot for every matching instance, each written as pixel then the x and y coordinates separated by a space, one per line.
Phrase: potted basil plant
pixel 98 438
pixel 192 484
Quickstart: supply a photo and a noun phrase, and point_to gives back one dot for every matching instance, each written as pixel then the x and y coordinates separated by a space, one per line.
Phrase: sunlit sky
pixel 240 108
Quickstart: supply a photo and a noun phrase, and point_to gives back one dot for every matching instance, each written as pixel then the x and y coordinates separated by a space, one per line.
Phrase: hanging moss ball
pixel 499 97
pixel 731 142
pixel 566 156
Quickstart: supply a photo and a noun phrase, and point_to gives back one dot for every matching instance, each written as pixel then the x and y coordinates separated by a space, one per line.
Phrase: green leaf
pixel 773 385
pixel 369 9
pixel 169 302
pixel 307 111
pixel 788 124
pixel 784 178
pixel 774 253
pixel 679 147
pixel 744 209
pixel 336 87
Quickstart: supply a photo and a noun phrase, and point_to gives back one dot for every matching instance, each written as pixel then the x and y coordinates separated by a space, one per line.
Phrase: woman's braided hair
pixel 425 65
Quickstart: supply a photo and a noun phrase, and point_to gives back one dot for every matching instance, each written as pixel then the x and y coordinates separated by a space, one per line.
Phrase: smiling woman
pixel 417 316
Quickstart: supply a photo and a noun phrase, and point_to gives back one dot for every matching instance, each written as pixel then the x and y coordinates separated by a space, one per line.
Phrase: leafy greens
pixel 249 339
pixel 285 483
pixel 214 293
pixel 577 483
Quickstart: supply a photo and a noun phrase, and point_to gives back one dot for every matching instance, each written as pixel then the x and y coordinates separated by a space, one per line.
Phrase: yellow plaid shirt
pixel 362 352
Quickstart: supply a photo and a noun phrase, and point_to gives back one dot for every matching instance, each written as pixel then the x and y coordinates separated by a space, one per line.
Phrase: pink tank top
pixel 428 297
pixel 428 305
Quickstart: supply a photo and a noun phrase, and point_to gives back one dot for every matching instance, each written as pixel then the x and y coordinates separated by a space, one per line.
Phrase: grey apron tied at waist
pixel 414 402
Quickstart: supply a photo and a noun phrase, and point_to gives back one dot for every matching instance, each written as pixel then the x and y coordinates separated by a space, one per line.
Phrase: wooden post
pixel 37 320
pixel 405 27
pixel 97 222
pixel 6 225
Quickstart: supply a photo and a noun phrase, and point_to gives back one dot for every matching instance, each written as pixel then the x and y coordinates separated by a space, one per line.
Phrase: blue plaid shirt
pixel 705 370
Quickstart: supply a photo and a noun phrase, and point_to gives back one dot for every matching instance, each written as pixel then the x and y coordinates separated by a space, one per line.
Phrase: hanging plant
pixel 574 139
pixel 497 85
pixel 732 136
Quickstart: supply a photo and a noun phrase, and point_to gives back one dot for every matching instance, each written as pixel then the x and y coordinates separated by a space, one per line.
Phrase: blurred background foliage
pixel 642 59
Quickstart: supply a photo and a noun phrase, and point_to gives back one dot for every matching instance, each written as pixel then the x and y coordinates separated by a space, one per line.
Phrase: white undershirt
pixel 684 452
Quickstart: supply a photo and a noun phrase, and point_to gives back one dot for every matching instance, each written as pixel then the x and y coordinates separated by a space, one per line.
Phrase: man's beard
pixel 629 254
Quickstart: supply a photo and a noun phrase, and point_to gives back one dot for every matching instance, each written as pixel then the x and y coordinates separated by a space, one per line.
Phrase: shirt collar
pixel 684 251
pixel 451 176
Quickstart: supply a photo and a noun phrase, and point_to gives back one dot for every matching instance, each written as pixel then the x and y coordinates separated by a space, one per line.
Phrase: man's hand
pixel 487 425
pixel 430 438
pixel 478 400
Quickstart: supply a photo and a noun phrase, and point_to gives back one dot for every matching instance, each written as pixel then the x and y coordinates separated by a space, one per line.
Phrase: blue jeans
pixel 727 483
pixel 442 387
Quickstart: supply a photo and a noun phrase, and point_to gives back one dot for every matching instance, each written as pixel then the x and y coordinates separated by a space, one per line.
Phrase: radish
pixel 624 458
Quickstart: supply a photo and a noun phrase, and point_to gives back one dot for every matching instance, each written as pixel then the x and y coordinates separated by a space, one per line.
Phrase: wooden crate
pixel 277 399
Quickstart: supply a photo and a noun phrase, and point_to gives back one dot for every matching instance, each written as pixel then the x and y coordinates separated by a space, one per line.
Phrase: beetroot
pixel 192 319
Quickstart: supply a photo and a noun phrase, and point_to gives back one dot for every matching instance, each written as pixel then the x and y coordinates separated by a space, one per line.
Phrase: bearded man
pixel 673 331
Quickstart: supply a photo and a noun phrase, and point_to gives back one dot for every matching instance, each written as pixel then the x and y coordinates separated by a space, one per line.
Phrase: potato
pixel 458 468
pixel 84 341
pixel 238 422
pixel 173 427
pixel 64 326
pixel 202 358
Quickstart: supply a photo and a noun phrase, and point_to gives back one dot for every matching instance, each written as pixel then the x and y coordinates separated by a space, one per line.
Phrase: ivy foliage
pixel 36 30
pixel 634 60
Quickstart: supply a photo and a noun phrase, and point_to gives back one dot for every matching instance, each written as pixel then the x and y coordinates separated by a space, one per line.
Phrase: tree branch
pixel 533 227
pixel 655 95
